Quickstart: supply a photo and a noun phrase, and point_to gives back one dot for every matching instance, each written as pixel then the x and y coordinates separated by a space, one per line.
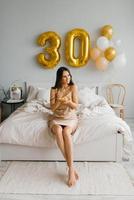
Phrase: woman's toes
pixel 71 181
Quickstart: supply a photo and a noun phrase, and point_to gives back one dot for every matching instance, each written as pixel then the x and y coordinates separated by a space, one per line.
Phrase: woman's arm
pixel 74 103
pixel 54 104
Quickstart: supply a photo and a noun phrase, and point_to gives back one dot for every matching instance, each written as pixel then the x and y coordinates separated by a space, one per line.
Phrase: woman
pixel 63 122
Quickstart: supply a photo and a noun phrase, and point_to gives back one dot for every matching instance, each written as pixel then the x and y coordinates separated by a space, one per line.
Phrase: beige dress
pixel 64 114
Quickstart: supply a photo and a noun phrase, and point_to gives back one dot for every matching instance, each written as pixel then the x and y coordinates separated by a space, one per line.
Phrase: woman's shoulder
pixel 53 89
pixel 74 87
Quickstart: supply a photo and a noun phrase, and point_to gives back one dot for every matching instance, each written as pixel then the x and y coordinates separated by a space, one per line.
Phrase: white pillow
pixel 32 93
pixel 43 94
pixel 87 96
pixel 38 93
pixel 92 88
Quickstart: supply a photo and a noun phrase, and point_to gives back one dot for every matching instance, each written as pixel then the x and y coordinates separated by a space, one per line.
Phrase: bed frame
pixel 108 148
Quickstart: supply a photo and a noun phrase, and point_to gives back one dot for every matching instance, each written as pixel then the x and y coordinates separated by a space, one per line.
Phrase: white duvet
pixel 28 124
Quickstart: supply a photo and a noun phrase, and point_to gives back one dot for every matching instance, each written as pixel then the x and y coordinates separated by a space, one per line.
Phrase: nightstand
pixel 8 107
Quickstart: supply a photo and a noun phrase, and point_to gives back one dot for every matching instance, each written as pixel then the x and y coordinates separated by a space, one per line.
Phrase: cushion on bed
pixel 32 93
pixel 38 93
pixel 43 94
pixel 87 96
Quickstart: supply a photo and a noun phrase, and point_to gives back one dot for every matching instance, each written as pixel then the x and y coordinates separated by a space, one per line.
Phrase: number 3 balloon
pixel 51 56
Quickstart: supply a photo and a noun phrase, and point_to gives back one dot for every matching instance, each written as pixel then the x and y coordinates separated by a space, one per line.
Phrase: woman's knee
pixel 67 132
pixel 56 129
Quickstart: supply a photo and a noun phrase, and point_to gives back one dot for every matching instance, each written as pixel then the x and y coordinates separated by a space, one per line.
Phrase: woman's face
pixel 65 77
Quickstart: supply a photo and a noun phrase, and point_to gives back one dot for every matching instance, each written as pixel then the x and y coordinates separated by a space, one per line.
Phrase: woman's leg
pixel 69 155
pixel 57 130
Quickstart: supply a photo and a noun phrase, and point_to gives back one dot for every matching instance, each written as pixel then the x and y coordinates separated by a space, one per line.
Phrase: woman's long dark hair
pixel 59 77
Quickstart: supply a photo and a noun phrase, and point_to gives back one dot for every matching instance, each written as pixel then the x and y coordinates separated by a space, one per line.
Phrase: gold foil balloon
pixel 101 63
pixel 51 56
pixel 84 41
pixel 110 53
pixel 95 53
pixel 107 31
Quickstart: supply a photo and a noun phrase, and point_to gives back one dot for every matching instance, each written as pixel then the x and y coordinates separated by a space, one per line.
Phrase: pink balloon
pixel 95 53
pixel 101 63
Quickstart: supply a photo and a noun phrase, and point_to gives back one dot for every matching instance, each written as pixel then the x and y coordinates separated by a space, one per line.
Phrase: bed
pixel 100 136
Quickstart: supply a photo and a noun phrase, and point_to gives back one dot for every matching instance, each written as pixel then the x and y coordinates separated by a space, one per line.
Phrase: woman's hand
pixel 64 100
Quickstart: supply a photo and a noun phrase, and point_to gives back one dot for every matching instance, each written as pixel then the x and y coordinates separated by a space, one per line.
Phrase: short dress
pixel 64 114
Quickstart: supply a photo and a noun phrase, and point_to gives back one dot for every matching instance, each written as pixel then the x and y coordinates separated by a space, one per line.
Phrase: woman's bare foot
pixel 71 177
pixel 76 174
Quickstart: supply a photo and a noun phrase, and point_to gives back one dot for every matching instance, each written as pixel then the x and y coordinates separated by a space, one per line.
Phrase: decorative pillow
pixel 38 93
pixel 43 95
pixel 32 93
pixel 83 86
pixel 87 96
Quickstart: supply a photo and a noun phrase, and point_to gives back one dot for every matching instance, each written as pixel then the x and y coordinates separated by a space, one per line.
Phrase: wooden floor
pixel 69 197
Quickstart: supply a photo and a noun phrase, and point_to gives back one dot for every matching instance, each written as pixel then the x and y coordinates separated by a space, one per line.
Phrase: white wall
pixel 22 21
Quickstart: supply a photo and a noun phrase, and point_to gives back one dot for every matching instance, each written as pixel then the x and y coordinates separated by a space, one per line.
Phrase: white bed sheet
pixel 28 124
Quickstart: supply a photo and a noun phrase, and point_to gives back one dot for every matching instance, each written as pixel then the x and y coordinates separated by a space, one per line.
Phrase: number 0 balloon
pixel 84 39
